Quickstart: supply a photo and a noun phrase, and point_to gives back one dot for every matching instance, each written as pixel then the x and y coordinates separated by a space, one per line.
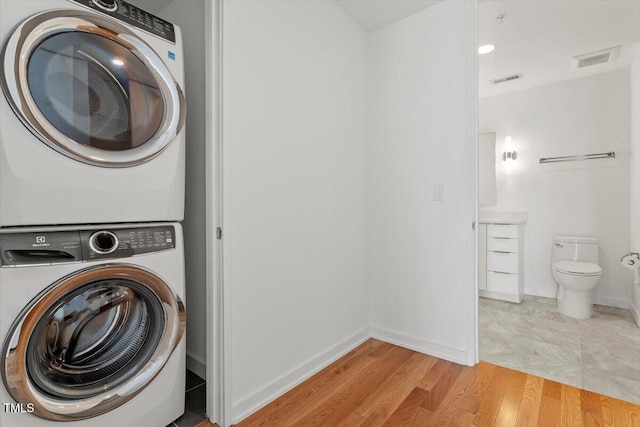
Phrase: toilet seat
pixel 577 268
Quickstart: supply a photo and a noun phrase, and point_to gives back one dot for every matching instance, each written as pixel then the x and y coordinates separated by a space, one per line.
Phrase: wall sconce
pixel 510 153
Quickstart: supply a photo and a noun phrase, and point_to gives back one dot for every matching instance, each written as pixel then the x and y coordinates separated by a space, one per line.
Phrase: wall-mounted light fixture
pixel 486 48
pixel 509 153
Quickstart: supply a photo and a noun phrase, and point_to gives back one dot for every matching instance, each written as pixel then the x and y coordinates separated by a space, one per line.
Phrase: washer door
pixel 92 341
pixel 89 88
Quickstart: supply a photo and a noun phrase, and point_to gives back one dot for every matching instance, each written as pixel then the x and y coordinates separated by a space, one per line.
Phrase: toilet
pixel 576 269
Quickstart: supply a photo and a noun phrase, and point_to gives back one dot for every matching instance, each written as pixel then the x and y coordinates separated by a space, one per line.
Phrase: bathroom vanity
pixel 501 255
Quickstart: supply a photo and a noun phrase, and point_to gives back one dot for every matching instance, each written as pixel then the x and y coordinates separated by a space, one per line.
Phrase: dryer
pixel 92 326
pixel 92 114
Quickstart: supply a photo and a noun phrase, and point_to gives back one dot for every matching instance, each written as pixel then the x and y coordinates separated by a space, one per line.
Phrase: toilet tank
pixel 575 248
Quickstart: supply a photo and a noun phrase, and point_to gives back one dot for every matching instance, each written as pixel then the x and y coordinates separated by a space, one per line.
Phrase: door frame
pixel 472 112
pixel 217 366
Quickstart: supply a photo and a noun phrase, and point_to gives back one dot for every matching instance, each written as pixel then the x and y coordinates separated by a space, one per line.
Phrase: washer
pixel 92 326
pixel 92 114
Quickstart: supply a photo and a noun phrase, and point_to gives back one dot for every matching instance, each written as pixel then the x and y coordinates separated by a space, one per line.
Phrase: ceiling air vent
pixel 507 79
pixel 594 58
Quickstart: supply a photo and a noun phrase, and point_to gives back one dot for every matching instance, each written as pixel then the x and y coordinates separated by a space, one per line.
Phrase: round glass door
pixel 94 338
pixel 92 341
pixel 95 91
pixel 91 89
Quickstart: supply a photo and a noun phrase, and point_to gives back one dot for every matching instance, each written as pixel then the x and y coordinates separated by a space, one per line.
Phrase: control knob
pixel 108 5
pixel 103 242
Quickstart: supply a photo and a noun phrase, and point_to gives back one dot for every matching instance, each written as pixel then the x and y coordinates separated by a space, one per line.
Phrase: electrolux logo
pixel 18 408
pixel 40 242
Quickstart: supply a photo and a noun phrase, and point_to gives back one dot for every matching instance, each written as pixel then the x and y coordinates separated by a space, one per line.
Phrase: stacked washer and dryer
pixel 91 194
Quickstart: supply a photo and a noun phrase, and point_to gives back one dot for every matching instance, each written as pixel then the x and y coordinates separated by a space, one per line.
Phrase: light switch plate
pixel 438 192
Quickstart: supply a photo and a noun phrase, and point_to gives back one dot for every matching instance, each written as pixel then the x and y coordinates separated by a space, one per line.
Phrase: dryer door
pixel 89 88
pixel 92 341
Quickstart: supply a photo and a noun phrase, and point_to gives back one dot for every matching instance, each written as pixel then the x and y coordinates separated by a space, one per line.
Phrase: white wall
pixel 190 15
pixel 421 132
pixel 635 174
pixel 588 115
pixel 487 186
pixel 294 172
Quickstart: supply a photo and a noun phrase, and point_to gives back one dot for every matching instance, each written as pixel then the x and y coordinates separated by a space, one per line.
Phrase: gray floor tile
pixel 192 381
pixel 604 383
pixel 195 402
pixel 600 354
pixel 195 407
pixel 609 355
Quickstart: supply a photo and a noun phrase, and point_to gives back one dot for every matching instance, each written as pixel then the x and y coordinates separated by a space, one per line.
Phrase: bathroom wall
pixel 635 174
pixel 190 15
pixel 588 115
pixel 421 133
pixel 294 147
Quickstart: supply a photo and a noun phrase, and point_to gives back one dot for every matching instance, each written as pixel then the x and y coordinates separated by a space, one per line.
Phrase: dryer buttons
pixel 103 242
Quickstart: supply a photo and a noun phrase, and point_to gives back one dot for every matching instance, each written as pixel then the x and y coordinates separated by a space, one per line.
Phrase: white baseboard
pixel 611 301
pixel 546 292
pixel 503 296
pixel 197 365
pixel 438 350
pixel 250 404
pixel 549 292
pixel 635 312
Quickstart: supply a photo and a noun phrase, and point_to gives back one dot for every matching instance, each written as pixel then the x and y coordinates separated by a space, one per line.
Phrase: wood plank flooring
pixel 379 384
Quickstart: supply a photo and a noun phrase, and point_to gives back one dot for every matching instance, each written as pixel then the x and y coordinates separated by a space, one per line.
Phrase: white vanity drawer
pixel 502 244
pixel 504 262
pixel 502 230
pixel 502 282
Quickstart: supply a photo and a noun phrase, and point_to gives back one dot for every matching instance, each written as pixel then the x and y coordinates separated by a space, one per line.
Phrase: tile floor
pixel 600 354
pixel 195 406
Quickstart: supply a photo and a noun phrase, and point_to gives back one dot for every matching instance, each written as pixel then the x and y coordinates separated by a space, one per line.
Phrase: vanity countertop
pixel 502 217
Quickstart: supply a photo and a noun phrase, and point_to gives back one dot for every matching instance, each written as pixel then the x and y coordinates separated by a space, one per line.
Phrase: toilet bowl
pixel 576 270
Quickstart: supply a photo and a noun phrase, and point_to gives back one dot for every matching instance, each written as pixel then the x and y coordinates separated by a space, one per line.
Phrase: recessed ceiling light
pixel 485 48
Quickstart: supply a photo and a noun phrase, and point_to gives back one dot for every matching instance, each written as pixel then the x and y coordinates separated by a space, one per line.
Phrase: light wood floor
pixel 379 384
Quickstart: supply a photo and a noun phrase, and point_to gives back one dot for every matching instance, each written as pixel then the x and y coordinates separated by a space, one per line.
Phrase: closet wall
pixel 190 16
pixel 294 99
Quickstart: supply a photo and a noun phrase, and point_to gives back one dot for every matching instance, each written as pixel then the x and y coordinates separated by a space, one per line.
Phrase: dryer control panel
pixel 54 247
pixel 134 16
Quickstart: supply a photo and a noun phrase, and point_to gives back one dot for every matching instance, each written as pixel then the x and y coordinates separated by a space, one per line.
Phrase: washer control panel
pixel 134 16
pixel 45 248
pixel 126 242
